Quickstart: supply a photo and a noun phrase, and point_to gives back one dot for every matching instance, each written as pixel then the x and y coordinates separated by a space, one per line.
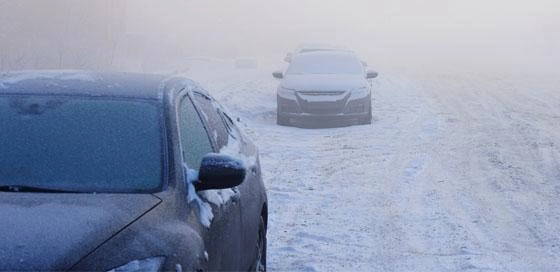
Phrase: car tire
pixel 282 121
pixel 260 259
pixel 367 119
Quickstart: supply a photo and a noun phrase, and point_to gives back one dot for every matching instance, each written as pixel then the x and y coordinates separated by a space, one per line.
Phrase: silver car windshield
pixel 313 63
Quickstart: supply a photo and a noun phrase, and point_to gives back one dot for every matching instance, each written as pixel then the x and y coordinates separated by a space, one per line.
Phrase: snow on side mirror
pixel 278 75
pixel 371 74
pixel 220 172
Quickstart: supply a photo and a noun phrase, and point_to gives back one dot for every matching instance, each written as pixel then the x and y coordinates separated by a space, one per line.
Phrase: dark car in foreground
pixel 124 172
pixel 324 88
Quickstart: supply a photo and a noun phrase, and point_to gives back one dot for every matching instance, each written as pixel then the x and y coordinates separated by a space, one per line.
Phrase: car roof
pixel 328 53
pixel 82 83
pixel 319 46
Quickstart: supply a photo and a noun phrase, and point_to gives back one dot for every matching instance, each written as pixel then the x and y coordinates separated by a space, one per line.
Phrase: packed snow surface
pixel 458 172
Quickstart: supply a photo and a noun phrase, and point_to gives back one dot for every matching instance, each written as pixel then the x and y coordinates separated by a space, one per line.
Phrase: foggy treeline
pixel 147 35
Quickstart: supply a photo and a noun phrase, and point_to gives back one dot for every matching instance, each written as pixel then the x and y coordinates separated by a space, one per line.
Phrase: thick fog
pixel 449 160
pixel 147 35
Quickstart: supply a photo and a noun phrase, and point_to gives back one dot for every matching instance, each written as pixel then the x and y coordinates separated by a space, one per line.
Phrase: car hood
pixel 55 231
pixel 324 82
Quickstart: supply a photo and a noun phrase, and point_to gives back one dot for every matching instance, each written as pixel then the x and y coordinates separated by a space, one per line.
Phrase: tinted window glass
pixel 194 139
pixel 80 144
pixel 230 125
pixel 216 126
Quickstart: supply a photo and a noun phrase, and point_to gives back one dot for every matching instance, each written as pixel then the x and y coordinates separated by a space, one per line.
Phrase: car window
pixel 216 127
pixel 233 130
pixel 80 144
pixel 194 139
pixel 319 63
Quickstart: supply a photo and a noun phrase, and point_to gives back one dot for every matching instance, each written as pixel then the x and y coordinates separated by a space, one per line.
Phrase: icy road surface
pixel 456 173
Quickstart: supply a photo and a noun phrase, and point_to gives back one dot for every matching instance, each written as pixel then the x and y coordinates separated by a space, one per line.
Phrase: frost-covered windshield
pixel 80 144
pixel 321 63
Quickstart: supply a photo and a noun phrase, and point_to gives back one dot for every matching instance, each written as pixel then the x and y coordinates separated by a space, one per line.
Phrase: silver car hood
pixel 54 231
pixel 324 82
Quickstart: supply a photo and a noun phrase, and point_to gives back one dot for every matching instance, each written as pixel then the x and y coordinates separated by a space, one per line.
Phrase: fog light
pixel 359 108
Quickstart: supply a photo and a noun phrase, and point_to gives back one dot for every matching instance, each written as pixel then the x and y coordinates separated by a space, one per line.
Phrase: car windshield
pixel 80 144
pixel 312 63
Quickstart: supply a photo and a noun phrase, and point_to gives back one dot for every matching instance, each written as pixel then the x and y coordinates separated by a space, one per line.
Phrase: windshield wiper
pixel 31 189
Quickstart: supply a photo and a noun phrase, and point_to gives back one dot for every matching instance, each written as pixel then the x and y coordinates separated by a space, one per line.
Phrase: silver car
pixel 324 88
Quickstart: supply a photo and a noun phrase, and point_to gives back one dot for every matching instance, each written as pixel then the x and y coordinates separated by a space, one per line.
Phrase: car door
pixel 249 191
pixel 222 238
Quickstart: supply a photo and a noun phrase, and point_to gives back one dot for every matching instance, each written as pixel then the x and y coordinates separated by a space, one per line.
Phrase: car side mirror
pixel 278 75
pixel 220 172
pixel 371 74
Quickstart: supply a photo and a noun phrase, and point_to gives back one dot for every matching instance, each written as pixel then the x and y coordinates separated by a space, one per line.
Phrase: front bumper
pixel 343 111
pixel 322 120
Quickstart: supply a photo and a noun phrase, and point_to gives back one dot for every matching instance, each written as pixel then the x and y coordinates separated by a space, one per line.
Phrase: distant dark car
pixel 124 172
pixel 324 88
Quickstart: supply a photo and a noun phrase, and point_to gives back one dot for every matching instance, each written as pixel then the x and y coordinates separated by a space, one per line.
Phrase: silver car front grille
pixel 322 93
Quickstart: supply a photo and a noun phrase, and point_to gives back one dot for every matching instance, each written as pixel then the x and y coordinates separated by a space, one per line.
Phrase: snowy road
pixel 457 173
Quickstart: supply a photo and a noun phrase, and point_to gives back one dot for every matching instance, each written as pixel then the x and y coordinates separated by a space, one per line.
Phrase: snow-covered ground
pixel 456 173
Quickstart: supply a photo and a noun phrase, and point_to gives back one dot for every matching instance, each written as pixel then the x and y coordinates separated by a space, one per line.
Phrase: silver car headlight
pixel 359 93
pixel 287 93
pixel 154 264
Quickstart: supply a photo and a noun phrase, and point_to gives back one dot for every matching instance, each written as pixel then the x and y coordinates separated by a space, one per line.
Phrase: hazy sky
pixel 421 33
pixel 438 30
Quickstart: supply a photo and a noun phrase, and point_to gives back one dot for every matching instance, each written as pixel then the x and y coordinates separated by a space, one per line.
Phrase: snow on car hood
pixel 324 82
pixel 9 78
pixel 54 231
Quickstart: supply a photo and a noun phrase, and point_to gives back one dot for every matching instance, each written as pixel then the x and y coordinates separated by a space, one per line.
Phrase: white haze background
pixel 459 170
pixel 496 35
